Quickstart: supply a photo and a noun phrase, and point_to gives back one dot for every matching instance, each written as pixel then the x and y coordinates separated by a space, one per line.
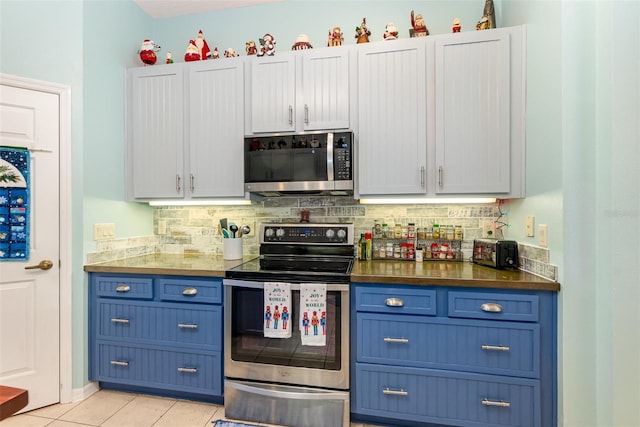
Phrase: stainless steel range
pixel 287 380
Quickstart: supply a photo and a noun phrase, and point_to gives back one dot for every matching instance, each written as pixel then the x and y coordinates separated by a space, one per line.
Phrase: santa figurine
pixel 268 45
pixel 302 43
pixel 335 37
pixel 250 47
pixel 418 26
pixel 390 31
pixel 148 51
pixel 169 59
pixel 203 47
pixel 192 53
pixel 456 26
pixel 230 53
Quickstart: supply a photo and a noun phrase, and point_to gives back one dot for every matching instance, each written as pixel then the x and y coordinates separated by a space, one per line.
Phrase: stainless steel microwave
pixel 300 163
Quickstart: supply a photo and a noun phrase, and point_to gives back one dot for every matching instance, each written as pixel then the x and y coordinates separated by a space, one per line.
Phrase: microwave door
pixel 310 164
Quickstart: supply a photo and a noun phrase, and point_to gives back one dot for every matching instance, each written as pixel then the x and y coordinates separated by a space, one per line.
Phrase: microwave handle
pixel 330 175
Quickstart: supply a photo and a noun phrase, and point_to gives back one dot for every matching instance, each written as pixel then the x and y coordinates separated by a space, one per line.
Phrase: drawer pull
pixel 491 307
pixel 400 392
pixel 188 325
pixel 117 320
pixel 500 404
pixel 394 302
pixel 119 363
pixel 188 370
pixel 123 288
pixel 398 340
pixel 495 347
pixel 189 291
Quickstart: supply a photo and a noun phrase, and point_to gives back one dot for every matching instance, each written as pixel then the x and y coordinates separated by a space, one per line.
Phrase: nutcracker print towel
pixel 14 204
pixel 313 313
pixel 277 303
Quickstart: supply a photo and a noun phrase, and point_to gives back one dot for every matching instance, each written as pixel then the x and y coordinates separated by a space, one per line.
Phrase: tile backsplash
pixel 193 229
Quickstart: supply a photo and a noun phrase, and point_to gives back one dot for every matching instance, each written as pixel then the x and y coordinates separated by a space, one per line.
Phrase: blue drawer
pixel 188 290
pixel 413 300
pixel 123 287
pixel 187 371
pixel 508 348
pixel 433 396
pixel 495 306
pixel 160 323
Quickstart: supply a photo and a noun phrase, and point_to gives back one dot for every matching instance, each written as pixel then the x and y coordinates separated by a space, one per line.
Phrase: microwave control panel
pixel 342 156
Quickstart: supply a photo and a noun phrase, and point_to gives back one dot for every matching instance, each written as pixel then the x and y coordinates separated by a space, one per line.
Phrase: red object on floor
pixel 12 400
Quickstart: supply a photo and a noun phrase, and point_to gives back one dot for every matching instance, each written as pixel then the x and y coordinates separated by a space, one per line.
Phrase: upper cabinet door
pixel 155 100
pixel 216 128
pixel 392 118
pixel 273 93
pixel 325 84
pixel 473 114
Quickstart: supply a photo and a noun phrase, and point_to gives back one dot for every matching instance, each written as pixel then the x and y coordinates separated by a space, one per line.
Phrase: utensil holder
pixel 232 248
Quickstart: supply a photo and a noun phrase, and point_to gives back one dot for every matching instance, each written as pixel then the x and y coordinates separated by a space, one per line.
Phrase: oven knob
pixel 280 232
pixel 268 232
pixel 330 233
pixel 342 234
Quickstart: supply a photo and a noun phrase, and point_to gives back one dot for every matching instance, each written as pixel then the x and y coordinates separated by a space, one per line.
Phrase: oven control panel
pixel 338 234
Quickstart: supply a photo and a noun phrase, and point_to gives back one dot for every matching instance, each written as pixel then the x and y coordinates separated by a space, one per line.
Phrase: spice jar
pixel 397 231
pixel 458 233
pixel 435 234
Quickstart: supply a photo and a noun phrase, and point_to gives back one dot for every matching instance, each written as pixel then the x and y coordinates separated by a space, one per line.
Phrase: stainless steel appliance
pixel 496 253
pixel 281 164
pixel 279 380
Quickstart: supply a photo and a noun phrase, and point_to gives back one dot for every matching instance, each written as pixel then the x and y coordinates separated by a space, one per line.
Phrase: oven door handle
pixel 273 391
pixel 294 286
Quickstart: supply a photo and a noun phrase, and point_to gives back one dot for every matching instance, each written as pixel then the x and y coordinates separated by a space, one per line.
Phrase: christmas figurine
pixel 203 47
pixel 490 13
pixel 483 24
pixel 285 317
pixel 215 54
pixel 362 32
pixel 250 48
pixel 268 45
pixel 456 26
pixel 192 53
pixel 267 316
pixel 148 51
pixel 169 59
pixel 419 29
pixel 335 37
pixel 390 31
pixel 230 53
pixel 302 43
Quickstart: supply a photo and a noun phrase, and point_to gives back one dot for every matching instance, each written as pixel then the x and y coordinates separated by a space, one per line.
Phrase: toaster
pixel 496 253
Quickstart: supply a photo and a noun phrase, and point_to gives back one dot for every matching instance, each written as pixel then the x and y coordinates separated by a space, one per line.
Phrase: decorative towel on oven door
pixel 14 204
pixel 277 304
pixel 313 313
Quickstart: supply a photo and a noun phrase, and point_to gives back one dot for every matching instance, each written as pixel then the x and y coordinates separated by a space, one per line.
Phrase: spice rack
pixel 406 249
pixel 441 249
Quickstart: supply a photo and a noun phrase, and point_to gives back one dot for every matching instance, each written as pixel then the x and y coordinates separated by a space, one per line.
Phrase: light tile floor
pixel 107 408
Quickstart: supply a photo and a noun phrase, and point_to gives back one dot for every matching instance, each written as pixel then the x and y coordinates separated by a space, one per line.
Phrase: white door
pixel 30 298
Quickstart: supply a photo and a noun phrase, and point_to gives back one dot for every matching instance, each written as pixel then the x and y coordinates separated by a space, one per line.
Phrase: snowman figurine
pixel 148 51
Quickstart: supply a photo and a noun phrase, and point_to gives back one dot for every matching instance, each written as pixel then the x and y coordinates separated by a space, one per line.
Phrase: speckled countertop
pixel 393 272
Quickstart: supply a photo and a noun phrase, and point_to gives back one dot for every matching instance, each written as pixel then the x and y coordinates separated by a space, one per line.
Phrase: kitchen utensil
pixel 234 229
pixel 245 229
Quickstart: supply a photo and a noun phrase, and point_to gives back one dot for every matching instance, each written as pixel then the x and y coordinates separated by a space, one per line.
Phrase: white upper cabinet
pixel 298 91
pixel 155 132
pixel 479 113
pixel 392 130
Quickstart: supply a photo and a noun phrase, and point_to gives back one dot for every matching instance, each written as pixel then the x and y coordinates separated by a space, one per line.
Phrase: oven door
pixel 251 356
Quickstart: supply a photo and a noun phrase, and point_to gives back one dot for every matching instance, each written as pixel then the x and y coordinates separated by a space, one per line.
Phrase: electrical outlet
pixel 489 228
pixel 529 225
pixel 543 235
pixel 162 226
pixel 104 231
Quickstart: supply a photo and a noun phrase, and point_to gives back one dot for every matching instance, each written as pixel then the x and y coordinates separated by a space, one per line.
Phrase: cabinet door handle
pixel 394 302
pixel 188 370
pixel 396 340
pixel 422 176
pixel 495 347
pixel 500 404
pixel 440 176
pixel 188 325
pixel 491 307
pixel 117 320
pixel 189 291
pixel 306 114
pixel 400 392
pixel 192 184
pixel 177 183
pixel 119 363
pixel 290 115
pixel 123 288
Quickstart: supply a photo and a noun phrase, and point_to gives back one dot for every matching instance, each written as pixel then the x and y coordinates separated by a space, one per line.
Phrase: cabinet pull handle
pixel 398 340
pixel 394 302
pixel 422 176
pixel 119 363
pixel 188 370
pixel 290 115
pixel 495 347
pixel 123 288
pixel 189 291
pixel 192 184
pixel 306 114
pixel 188 325
pixel 400 392
pixel 440 176
pixel 491 307
pixel 500 404
pixel 177 183
pixel 117 320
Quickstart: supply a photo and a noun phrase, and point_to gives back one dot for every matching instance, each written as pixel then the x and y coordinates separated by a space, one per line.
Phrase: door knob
pixel 44 265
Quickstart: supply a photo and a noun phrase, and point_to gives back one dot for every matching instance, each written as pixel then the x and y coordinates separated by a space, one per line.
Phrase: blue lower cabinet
pixel 158 334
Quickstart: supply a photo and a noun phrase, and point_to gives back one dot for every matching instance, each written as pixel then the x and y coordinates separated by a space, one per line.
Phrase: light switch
pixel 543 235
pixel 529 225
